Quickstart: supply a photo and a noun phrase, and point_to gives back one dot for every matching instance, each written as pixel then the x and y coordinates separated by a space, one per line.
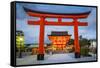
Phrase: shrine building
pixel 59 40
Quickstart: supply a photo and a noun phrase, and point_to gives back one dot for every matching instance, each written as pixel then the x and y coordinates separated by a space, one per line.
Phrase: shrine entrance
pixel 42 22
pixel 59 41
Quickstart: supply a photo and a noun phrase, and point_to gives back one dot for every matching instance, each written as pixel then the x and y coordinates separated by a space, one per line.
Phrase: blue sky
pixel 31 32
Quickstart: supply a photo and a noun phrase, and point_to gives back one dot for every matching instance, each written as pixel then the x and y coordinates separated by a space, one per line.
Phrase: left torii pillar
pixel 41 50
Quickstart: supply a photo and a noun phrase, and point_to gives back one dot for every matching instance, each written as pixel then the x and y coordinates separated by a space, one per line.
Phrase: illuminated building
pixel 19 39
pixel 59 40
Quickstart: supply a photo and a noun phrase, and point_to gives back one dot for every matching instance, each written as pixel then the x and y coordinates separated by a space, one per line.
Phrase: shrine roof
pixel 59 33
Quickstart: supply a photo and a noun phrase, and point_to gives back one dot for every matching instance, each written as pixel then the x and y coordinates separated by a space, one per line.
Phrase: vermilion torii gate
pixel 42 22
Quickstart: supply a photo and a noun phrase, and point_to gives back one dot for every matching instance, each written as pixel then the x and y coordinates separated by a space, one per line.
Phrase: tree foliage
pixel 84 42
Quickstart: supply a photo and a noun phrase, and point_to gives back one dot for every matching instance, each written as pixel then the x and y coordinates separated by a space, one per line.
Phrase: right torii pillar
pixel 76 39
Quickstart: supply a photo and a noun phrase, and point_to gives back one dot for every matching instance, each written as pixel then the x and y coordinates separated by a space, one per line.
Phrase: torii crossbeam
pixel 42 22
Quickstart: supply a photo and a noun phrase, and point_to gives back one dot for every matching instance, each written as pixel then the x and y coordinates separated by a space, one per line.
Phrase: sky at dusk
pixel 31 32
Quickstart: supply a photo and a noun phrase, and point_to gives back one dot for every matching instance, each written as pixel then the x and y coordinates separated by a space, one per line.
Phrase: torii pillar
pixel 76 39
pixel 42 22
pixel 41 50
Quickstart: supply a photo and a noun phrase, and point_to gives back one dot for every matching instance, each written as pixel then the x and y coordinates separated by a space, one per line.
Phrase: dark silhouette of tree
pixel 71 42
pixel 84 44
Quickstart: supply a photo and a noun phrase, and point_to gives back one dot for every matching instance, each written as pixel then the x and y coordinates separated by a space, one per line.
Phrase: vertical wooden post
pixel 76 39
pixel 59 20
pixel 40 55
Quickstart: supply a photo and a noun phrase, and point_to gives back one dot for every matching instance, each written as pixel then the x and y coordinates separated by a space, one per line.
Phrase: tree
pixel 84 44
pixel 71 41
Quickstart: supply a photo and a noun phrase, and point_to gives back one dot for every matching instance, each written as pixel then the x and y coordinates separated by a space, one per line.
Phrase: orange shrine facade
pixel 59 40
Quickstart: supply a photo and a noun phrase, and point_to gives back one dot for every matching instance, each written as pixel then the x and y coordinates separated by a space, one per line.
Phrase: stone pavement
pixel 55 58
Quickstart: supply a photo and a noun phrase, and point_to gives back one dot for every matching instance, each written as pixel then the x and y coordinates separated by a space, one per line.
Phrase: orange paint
pixel 82 15
pixel 41 37
pixel 57 23
pixel 76 40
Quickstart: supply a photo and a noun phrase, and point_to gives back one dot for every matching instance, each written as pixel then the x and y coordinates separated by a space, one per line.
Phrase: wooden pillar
pixel 40 55
pixel 76 39
pixel 59 20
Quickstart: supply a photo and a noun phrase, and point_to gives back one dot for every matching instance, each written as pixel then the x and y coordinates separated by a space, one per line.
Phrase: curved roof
pixel 32 12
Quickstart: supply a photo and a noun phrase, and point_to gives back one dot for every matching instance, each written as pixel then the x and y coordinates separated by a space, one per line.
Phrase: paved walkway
pixel 55 58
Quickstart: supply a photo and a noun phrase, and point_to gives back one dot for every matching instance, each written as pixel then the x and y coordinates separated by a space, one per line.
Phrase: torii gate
pixel 42 22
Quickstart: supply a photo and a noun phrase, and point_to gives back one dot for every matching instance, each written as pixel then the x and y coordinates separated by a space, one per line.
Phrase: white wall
pixel 5 34
pixel 93 44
